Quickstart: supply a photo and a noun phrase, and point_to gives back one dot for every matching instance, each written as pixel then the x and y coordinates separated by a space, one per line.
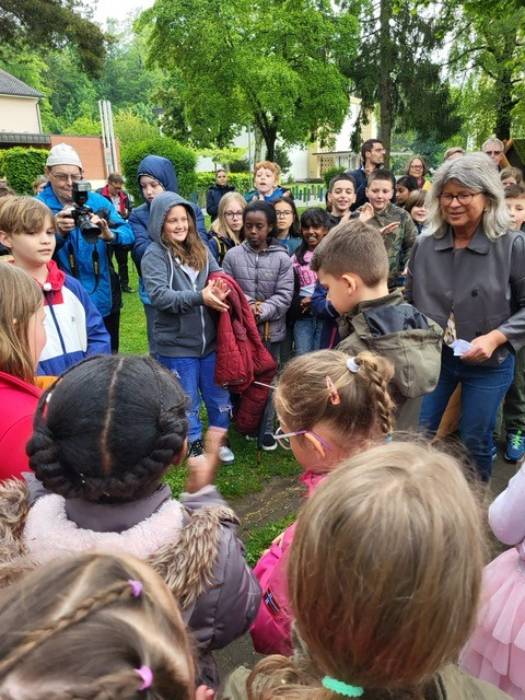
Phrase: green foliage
pixel 281 158
pixel 264 63
pixel 2 157
pixel 22 166
pixel 260 538
pixel 330 173
pixel 130 128
pixel 52 24
pixel 183 159
pixel 84 126
pixel 243 182
pixel 223 156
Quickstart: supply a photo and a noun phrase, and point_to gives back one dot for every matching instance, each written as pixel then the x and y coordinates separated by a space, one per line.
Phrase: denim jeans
pixel 482 390
pixel 307 334
pixel 197 378
pixel 268 418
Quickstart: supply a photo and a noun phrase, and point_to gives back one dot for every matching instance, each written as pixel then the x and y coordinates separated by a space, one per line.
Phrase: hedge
pixel 22 166
pixel 243 182
pixel 2 156
pixel 183 159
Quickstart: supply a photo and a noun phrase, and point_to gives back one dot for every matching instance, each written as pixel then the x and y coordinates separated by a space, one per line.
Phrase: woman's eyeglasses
pixel 233 214
pixel 283 214
pixel 463 198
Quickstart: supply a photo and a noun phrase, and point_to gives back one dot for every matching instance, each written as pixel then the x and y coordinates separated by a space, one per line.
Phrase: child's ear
pixel 5 239
pixel 352 281
pixel 181 456
pixel 316 444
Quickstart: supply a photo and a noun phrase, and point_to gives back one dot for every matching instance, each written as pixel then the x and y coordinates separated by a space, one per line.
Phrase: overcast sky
pixel 120 9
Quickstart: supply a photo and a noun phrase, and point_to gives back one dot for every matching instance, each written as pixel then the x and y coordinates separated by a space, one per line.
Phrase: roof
pixel 9 85
pixel 24 139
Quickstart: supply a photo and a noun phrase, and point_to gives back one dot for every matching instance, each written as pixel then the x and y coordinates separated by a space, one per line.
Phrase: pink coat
pixel 18 401
pixel 271 629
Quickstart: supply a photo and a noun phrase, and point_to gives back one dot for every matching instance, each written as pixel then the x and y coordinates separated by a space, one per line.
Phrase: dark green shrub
pixel 2 156
pixel 329 174
pixel 22 165
pixel 243 182
pixel 183 159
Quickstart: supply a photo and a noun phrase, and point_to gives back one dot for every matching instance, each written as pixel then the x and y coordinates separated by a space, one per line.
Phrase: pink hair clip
pixel 136 588
pixel 146 674
pixel 335 399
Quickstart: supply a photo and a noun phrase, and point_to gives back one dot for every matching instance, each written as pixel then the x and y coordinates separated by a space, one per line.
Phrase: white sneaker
pixel 226 455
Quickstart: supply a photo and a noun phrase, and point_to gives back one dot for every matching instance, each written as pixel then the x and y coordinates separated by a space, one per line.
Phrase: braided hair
pixel 108 428
pixel 83 626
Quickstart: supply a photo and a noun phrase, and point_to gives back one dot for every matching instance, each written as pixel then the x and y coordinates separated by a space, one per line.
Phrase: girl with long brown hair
pixel 22 339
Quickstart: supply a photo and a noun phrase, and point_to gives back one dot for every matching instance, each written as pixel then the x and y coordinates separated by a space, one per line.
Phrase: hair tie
pixel 352 365
pixel 136 588
pixel 146 674
pixel 341 688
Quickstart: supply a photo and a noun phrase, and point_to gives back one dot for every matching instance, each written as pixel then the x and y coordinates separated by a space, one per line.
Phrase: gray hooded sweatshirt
pixel 184 326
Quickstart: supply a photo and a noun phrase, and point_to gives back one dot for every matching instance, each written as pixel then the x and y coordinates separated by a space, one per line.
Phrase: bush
pixel 243 182
pixel 22 165
pixel 330 173
pixel 2 156
pixel 183 159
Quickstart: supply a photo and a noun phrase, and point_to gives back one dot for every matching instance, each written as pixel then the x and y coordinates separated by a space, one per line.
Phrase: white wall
pixel 19 115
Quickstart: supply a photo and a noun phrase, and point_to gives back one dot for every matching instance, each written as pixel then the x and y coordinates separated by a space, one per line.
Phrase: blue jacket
pixel 74 326
pixel 162 170
pixel 322 308
pixel 78 258
pixel 253 195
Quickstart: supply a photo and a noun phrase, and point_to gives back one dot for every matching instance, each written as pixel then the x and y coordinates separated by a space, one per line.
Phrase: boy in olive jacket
pixel 352 263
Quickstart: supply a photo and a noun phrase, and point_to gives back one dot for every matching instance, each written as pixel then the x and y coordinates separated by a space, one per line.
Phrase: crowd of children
pixel 110 587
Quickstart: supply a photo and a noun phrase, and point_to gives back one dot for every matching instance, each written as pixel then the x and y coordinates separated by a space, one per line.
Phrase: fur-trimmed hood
pixel 198 555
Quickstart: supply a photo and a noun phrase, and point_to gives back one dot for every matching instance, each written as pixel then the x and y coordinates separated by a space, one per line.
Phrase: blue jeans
pixel 307 334
pixel 482 391
pixel 197 378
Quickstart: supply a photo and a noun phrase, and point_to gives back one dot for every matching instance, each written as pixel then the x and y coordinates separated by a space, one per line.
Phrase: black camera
pixel 81 213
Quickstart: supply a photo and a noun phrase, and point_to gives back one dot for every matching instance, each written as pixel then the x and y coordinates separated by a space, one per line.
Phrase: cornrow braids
pixel 82 445
pixel 119 591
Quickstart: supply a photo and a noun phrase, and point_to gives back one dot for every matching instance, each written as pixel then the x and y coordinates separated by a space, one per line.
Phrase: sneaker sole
pixel 511 460
pixel 227 461
pixel 267 448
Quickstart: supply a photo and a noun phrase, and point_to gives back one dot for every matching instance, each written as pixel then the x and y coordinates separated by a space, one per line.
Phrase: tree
pixel 489 41
pixel 52 24
pixel 269 64
pixel 394 68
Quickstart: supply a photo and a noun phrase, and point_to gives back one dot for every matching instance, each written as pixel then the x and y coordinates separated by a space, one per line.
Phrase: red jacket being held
pixel 18 402
pixel 242 358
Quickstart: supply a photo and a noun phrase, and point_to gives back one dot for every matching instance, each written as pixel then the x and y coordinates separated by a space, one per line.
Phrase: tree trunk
pixel 504 87
pixel 386 103
pixel 270 138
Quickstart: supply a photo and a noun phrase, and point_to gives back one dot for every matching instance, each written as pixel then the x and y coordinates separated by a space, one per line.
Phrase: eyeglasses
pixel 283 439
pixel 283 214
pixel 419 167
pixel 463 198
pixel 493 153
pixel 65 177
pixel 233 214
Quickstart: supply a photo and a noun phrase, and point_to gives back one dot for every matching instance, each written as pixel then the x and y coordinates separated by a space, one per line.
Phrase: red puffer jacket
pixel 242 358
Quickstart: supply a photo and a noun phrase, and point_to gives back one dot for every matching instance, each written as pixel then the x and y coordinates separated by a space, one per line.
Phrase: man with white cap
pixel 88 261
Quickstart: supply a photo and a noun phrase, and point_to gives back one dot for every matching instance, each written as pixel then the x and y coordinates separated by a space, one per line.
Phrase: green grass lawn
pixel 245 476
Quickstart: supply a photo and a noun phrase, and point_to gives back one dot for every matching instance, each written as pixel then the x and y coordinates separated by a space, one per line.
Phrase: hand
pixel 204 693
pixel 202 470
pixel 366 212
pixel 389 228
pixel 305 304
pixel 65 222
pixel 210 299
pixel 483 347
pixel 105 232
pixel 256 311
pixel 220 289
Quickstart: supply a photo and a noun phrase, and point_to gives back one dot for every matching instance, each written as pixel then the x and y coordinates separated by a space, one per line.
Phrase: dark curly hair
pixel 108 428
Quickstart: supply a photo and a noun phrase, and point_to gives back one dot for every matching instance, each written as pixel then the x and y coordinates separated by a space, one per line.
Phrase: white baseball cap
pixel 63 154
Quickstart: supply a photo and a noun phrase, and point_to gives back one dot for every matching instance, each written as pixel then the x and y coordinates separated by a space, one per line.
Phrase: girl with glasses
pixel 330 406
pixel 288 226
pixel 226 230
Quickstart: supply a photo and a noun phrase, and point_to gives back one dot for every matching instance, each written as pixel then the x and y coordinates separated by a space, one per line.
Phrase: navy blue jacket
pixel 360 178
pixel 322 308
pixel 214 196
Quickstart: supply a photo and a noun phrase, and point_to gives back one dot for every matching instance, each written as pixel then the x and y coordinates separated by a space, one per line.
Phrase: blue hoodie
pixel 162 170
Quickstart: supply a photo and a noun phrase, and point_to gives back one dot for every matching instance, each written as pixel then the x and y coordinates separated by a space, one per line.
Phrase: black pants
pixel 121 256
pixel 112 323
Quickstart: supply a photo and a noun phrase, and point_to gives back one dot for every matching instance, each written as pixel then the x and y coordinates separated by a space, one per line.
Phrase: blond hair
pixel 220 226
pixel 384 574
pixel 84 624
pixel 303 396
pixel 20 299
pixel 191 251
pixel 24 215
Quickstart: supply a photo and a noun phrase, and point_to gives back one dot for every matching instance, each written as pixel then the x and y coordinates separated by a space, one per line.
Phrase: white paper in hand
pixel 460 347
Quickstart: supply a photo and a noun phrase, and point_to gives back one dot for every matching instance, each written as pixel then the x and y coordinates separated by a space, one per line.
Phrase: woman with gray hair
pixel 469 276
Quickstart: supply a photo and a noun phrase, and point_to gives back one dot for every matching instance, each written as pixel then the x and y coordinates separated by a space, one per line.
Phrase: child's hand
pixel 204 693
pixel 202 469
pixel 305 304
pixel 366 212
pixel 220 289
pixel 389 228
pixel 211 299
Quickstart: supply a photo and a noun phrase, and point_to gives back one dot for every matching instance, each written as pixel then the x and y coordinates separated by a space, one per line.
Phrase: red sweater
pixel 18 402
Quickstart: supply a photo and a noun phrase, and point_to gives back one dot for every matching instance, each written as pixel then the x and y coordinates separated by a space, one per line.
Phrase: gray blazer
pixel 484 284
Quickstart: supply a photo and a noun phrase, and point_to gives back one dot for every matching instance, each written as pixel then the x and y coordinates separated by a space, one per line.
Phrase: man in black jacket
pixel 216 192
pixel 372 158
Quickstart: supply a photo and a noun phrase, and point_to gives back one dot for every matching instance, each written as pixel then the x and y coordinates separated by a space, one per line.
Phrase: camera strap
pixel 95 262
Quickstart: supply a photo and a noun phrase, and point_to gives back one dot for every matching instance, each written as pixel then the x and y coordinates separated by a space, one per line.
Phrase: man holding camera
pixel 79 255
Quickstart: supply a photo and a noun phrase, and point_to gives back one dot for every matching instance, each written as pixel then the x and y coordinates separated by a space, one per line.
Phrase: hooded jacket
pixel 399 332
pixel 74 326
pixel 192 544
pixel 213 197
pixel 89 262
pixel 18 400
pixel 265 276
pixel 183 326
